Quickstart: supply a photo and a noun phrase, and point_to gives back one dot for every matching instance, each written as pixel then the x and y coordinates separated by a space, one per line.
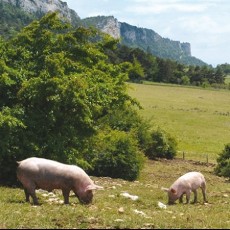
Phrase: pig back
pixel 47 174
pixel 191 180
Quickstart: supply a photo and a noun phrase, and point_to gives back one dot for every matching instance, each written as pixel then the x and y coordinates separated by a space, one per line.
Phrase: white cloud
pixel 157 7
pixel 201 24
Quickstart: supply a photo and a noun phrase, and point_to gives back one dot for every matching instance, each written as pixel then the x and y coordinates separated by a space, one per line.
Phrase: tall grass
pixel 198 118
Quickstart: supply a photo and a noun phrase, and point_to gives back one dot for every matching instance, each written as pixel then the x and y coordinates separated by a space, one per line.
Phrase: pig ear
pixel 92 187
pixel 173 191
pixel 164 189
pixel 98 187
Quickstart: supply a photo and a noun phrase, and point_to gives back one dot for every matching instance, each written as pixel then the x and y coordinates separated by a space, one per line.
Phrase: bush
pixel 128 120
pixel 161 145
pixel 223 162
pixel 11 142
pixel 118 156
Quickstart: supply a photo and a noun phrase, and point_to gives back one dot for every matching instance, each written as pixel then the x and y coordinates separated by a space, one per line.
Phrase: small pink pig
pixel 186 184
pixel 35 173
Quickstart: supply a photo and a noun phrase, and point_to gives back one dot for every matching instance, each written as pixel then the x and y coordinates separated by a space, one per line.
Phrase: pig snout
pixel 87 198
pixel 172 196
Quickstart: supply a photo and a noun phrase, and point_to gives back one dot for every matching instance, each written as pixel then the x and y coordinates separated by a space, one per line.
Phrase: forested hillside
pixel 147 67
pixel 13 19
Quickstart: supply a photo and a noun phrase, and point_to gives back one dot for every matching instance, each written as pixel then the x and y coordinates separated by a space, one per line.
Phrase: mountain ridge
pixel 129 35
pixel 145 39
pixel 41 7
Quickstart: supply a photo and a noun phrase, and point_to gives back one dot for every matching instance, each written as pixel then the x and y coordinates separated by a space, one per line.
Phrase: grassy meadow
pixel 227 79
pixel 111 210
pixel 198 118
pixel 200 121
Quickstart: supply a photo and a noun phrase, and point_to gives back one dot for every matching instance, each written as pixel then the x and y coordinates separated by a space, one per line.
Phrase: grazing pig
pixel 186 184
pixel 35 173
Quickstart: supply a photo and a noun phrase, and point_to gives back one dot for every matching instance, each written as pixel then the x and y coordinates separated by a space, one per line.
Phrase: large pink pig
pixel 186 184
pixel 35 173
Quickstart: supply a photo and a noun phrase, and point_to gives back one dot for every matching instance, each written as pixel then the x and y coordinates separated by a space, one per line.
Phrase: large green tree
pixel 56 86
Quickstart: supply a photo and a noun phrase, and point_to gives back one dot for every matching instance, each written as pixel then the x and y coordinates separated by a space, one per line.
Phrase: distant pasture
pixel 198 118
pixel 227 79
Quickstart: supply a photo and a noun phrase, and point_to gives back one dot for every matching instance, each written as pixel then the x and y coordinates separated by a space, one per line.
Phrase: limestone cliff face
pixel 44 6
pixel 107 24
pixel 110 26
pixel 149 39
pixel 186 47
pixel 146 39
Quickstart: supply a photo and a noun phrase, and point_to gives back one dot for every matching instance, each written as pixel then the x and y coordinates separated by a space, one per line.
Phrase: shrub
pixel 162 145
pixel 11 129
pixel 128 120
pixel 118 156
pixel 223 162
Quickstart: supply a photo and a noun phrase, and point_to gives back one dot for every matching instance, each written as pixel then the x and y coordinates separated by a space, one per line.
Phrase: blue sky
pixel 205 24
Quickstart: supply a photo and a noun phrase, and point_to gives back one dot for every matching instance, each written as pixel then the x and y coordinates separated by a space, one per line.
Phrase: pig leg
pixel 31 192
pixel 27 195
pixel 33 195
pixel 181 198
pixel 203 188
pixel 195 196
pixel 35 199
pixel 188 193
pixel 65 193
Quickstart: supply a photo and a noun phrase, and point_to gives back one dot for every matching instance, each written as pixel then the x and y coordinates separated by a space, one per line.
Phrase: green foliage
pixel 58 86
pixel 185 80
pixel 223 162
pixel 11 142
pixel 225 68
pixel 66 101
pixel 147 67
pixel 162 145
pixel 118 156
pixel 136 72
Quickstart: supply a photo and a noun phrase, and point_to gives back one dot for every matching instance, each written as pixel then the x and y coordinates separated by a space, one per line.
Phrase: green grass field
pixel 227 79
pixel 111 210
pixel 200 121
pixel 198 118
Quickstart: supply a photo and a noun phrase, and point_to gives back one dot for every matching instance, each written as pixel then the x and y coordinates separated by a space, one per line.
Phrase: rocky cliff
pixel 44 6
pixel 143 38
pixel 149 39
pixel 109 25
